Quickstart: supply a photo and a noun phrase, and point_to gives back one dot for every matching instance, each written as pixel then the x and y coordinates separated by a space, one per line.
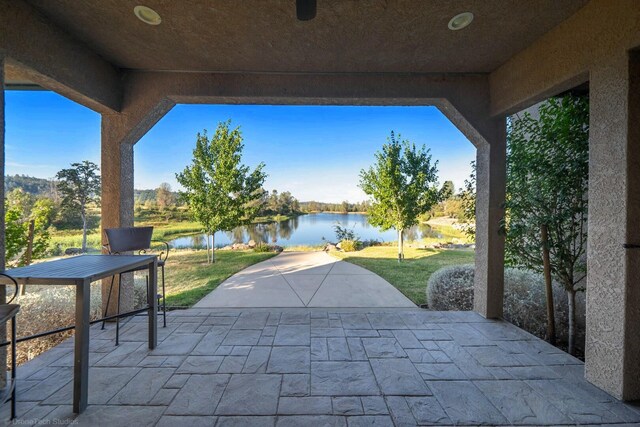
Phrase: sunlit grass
pixel 161 231
pixel 411 275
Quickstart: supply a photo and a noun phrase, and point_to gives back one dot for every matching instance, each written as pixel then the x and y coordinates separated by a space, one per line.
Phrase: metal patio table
pixel 80 271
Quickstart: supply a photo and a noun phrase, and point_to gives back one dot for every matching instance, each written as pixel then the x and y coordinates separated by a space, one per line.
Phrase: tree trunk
pixel 571 294
pixel 29 252
pixel 551 318
pixel 213 247
pixel 84 232
pixel 400 244
pixel 206 240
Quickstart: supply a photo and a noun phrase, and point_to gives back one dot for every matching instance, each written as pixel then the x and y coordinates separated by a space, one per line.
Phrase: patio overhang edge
pixel 564 57
pixel 44 54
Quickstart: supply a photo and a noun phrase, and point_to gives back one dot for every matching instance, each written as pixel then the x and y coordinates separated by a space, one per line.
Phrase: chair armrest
pixel 15 283
pixel 165 253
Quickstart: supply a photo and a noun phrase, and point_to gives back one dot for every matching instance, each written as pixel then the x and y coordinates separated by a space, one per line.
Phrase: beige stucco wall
pixel 613 294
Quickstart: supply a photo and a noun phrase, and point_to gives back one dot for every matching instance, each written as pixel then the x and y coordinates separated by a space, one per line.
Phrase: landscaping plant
pixel 79 186
pixel 220 191
pixel 402 186
pixel 546 204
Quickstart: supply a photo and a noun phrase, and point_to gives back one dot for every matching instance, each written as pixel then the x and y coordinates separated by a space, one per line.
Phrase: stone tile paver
pixel 251 394
pixel 308 405
pixel 399 377
pixel 199 396
pixel 343 379
pixel 289 360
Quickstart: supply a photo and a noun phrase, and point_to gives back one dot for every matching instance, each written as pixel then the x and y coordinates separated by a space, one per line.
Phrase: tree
pixel 447 190
pixel 546 205
pixel 79 186
pixel 221 192
pixel 401 184
pixel 164 196
pixel 27 222
pixel 468 201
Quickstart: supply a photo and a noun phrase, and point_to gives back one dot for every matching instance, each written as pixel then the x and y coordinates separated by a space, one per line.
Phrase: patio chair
pixel 131 239
pixel 8 312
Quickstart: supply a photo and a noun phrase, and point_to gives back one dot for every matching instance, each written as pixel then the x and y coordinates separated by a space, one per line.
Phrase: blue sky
pixel 316 152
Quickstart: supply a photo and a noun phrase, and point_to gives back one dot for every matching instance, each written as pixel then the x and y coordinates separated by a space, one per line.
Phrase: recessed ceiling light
pixel 460 21
pixel 147 15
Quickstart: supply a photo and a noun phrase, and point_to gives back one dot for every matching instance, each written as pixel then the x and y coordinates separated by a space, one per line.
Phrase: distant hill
pixel 41 187
pixel 29 184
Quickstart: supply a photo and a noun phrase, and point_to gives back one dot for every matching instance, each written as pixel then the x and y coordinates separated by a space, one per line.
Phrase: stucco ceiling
pixel 346 35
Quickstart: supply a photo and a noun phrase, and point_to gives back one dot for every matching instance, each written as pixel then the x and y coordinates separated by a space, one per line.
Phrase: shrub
pixel 261 247
pixel 451 288
pixel 44 308
pixel 349 245
pixel 344 233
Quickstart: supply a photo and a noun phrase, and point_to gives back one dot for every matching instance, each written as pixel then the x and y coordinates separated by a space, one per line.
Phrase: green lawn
pixel 410 276
pixel 189 277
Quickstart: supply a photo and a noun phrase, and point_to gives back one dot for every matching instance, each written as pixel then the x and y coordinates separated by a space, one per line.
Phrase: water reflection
pixel 304 230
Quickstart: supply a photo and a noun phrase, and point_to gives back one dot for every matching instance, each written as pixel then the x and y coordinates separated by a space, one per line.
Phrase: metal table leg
pixel 152 291
pixel 81 347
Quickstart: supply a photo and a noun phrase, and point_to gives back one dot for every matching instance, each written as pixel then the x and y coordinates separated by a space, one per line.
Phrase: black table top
pixel 78 269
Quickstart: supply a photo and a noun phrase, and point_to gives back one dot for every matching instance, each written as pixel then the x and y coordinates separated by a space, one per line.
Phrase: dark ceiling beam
pixel 37 51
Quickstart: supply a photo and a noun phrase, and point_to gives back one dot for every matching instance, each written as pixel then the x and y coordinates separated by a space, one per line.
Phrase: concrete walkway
pixel 305 279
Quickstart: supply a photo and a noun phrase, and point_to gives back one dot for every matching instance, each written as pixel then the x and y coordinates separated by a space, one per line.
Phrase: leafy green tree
pixel 468 201
pixel 447 190
pixel 15 231
pixel 401 184
pixel 546 205
pixel 221 192
pixel 79 186
pixel 20 210
pixel 41 214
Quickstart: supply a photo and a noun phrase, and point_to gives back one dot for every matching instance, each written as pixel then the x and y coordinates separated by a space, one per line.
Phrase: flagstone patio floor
pixel 299 367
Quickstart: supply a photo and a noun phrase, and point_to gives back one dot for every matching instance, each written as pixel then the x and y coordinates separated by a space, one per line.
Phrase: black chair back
pixel 127 239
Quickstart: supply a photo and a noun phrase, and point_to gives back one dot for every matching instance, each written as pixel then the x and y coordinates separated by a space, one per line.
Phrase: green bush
pixel 262 248
pixel 451 288
pixel 349 245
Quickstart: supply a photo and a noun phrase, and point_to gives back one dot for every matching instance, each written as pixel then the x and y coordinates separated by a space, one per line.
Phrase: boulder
pixel 73 251
pixel 252 244
pixel 330 247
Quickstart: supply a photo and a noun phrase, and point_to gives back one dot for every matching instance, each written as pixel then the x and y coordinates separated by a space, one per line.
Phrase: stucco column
pixel 117 199
pixel 490 193
pixel 613 281
pixel 3 298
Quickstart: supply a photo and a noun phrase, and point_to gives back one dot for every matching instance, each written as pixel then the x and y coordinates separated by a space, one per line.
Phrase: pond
pixel 308 229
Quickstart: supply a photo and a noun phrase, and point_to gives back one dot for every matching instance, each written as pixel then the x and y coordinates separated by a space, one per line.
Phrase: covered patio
pixel 404 367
